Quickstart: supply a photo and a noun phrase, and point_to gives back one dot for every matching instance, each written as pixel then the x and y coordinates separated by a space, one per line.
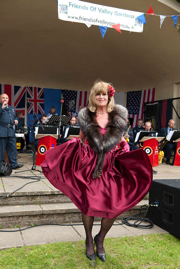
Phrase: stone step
pixel 37 198
pixel 30 198
pixel 28 215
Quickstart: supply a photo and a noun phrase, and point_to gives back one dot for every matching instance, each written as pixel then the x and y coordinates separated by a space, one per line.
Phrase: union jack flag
pixel 73 100
pixel 16 96
pixel 35 100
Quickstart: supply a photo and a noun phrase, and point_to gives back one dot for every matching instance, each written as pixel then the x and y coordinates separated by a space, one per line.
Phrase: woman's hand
pixel 122 139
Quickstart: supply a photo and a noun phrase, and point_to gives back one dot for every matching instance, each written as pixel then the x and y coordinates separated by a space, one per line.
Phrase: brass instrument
pixel 127 139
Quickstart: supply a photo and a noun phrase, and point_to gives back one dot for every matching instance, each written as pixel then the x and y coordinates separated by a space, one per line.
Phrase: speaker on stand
pixel 166 192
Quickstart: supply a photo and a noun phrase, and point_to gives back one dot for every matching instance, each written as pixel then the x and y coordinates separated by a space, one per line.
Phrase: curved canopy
pixel 38 49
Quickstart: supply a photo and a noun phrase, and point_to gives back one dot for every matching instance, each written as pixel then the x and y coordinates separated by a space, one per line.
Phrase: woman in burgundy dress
pixel 101 181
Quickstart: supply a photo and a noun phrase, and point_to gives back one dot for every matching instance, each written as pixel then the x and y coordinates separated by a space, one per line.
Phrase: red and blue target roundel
pixel 42 149
pixel 148 150
pixel 178 151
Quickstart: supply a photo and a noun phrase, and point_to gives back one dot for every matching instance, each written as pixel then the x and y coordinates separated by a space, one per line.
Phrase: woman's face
pixel 101 99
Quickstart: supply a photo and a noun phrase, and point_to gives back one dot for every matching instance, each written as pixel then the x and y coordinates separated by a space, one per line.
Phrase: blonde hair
pixel 100 87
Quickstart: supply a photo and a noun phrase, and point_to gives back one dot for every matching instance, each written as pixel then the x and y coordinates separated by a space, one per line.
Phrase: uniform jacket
pixel 7 117
pixel 137 129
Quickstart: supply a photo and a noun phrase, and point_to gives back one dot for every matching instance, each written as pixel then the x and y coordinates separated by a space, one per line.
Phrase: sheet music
pixel 170 135
pixel 137 137
pixel 66 132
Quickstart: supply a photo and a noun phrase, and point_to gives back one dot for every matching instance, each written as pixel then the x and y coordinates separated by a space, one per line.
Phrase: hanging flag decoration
pixel 107 17
pixel 141 19
pixel 103 30
pixel 150 11
pixel 162 18
pixel 175 18
pixel 117 27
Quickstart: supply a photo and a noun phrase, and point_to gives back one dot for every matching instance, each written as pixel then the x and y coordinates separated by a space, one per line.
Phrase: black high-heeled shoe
pixel 91 257
pixel 102 256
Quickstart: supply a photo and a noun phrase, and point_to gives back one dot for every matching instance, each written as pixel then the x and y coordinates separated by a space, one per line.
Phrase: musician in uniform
pixel 169 146
pixel 128 136
pixel 20 121
pixel 72 123
pixel 7 133
pixel 147 128
pixel 52 112
pixel 138 128
pixel 43 122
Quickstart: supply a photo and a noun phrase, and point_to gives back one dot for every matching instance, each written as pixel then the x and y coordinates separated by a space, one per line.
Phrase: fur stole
pixel 98 142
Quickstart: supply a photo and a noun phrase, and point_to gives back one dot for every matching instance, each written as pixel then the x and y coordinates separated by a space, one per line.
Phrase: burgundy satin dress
pixel 125 180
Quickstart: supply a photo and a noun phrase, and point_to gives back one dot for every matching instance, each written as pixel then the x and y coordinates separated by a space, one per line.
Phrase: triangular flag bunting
pixel 103 30
pixel 142 19
pixel 162 18
pixel 117 27
pixel 88 25
pixel 175 18
pixel 150 11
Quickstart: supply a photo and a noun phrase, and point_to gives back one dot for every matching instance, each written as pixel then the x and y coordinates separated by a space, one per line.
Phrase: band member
pixel 72 123
pixel 52 112
pixel 169 146
pixel 20 120
pixel 128 136
pixel 139 127
pixel 147 126
pixel 7 133
pixel 43 121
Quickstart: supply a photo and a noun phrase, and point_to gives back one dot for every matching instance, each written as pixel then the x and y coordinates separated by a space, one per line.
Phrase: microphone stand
pixel 34 147
pixel 59 127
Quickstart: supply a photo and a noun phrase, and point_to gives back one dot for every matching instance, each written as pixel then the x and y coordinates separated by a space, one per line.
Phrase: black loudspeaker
pixel 167 215
pixel 5 169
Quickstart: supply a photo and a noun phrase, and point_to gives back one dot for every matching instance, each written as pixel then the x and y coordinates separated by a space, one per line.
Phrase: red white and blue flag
pixel 35 100
pixel 74 100
pixel 136 101
pixel 16 96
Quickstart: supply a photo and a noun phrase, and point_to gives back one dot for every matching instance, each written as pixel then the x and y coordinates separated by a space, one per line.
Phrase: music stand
pixel 45 131
pixel 72 132
pixel 173 135
pixel 141 134
pixel 55 119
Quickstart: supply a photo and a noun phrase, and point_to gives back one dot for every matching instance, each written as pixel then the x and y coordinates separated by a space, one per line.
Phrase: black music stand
pixel 72 131
pixel 59 121
pixel 175 135
pixel 141 134
pixel 55 119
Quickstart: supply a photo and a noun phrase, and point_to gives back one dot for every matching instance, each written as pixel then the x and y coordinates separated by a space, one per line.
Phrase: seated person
pixel 139 127
pixel 169 146
pixel 72 123
pixel 20 121
pixel 52 112
pixel 128 136
pixel 147 128
pixel 42 122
